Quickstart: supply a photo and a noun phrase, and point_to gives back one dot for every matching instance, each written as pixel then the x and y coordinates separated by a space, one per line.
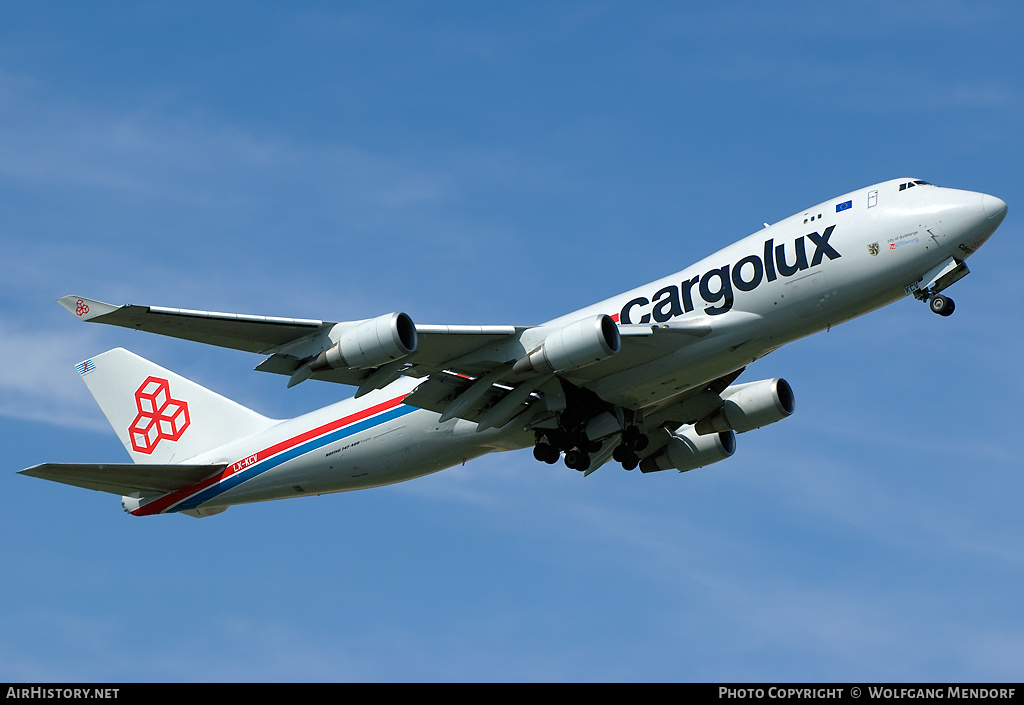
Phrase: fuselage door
pixel 810 295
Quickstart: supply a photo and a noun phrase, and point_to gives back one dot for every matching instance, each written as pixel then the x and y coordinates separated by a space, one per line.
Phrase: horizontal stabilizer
pixel 124 478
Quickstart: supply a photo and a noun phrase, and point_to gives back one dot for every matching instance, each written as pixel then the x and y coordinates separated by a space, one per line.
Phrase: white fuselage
pixel 830 263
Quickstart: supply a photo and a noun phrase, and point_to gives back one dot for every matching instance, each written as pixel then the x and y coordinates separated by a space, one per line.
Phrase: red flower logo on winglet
pixel 160 417
pixel 81 308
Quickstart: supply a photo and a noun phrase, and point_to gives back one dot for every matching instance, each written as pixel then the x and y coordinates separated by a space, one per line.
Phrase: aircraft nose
pixel 995 209
pixel 970 217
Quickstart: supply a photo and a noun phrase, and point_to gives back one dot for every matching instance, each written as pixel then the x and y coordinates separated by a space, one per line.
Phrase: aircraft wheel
pixel 620 453
pixel 631 462
pixel 546 453
pixel 577 460
pixel 941 305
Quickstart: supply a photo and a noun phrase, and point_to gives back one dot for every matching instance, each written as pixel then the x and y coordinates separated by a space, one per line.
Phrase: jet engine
pixel 749 406
pixel 576 345
pixel 687 450
pixel 370 343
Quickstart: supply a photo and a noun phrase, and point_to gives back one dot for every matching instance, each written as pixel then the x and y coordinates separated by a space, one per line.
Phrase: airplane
pixel 645 379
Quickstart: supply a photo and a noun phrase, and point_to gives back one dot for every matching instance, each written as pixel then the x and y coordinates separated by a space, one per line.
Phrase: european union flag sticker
pixel 844 206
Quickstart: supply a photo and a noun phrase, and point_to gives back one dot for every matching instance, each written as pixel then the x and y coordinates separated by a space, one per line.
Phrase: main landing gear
pixel 585 426
pixel 577 448
pixel 552 442
pixel 632 443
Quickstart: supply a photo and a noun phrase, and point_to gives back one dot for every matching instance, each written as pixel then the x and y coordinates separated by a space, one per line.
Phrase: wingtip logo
pixel 160 417
pixel 81 308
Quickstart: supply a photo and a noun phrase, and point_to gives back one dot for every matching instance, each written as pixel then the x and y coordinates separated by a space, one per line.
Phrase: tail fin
pixel 161 417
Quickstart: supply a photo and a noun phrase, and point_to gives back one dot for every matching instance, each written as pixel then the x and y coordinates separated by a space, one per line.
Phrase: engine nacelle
pixel 370 343
pixel 576 345
pixel 749 406
pixel 687 450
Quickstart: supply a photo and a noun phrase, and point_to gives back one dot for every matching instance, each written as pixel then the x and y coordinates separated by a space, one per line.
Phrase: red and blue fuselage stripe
pixel 271 457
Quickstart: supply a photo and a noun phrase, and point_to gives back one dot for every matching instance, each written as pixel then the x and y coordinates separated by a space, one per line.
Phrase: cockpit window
pixel 912 184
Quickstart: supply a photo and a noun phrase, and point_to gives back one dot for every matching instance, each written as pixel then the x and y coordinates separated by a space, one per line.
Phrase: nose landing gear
pixel 941 305
pixel 940 278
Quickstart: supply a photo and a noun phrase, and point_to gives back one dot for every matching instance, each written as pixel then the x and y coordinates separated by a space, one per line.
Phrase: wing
pixel 488 374
pixel 229 330
pixel 292 343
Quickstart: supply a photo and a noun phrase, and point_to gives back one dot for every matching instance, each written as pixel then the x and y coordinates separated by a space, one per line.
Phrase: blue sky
pixel 468 163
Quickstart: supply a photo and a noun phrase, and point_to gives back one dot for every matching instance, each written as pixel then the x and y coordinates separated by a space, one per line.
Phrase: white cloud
pixel 38 381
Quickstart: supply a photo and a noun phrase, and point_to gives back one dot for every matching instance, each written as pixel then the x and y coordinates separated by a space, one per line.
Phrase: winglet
pixel 86 309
